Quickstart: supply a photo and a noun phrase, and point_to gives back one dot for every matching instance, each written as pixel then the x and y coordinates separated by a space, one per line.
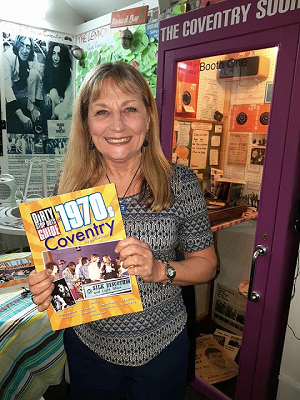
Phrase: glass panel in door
pixel 221 121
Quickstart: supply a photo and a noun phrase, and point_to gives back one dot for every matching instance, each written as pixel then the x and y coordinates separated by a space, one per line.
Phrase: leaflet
pixel 75 235
pixel 14 269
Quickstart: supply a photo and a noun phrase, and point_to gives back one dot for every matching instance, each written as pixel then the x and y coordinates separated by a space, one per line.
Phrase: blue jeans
pixel 162 378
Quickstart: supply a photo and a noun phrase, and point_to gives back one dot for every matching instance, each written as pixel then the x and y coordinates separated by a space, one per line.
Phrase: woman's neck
pixel 126 179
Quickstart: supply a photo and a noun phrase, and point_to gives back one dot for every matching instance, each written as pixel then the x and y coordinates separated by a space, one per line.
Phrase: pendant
pixel 123 208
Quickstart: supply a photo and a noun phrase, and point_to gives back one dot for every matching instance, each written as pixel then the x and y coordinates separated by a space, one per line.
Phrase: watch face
pixel 170 272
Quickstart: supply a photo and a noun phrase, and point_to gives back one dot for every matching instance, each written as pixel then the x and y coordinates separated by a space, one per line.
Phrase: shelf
pixel 247 216
pixel 205 121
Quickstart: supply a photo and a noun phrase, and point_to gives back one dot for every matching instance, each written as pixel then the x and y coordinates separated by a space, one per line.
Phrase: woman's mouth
pixel 117 141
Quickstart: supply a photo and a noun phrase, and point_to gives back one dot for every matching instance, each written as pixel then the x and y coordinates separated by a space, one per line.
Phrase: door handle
pixel 259 251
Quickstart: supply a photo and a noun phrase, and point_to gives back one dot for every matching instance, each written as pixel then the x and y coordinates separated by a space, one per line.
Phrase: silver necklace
pixel 123 206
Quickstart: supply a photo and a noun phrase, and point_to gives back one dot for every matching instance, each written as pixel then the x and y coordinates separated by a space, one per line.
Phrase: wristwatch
pixel 170 271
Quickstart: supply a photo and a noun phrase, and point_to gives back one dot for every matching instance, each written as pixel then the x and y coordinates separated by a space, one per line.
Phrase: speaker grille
pixel 5 191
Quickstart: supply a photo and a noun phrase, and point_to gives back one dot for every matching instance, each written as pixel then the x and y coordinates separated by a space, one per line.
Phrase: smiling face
pixel 118 123
pixel 56 56
pixel 24 49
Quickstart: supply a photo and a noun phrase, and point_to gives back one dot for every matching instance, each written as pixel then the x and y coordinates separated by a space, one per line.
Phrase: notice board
pixel 197 145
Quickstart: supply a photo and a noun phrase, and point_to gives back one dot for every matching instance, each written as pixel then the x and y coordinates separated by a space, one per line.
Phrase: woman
pixel 57 81
pixel 115 138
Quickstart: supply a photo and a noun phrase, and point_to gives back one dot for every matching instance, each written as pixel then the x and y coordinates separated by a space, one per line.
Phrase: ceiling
pixel 91 9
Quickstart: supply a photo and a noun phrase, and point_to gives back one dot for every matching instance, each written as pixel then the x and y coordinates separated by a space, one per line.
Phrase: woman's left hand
pixel 139 260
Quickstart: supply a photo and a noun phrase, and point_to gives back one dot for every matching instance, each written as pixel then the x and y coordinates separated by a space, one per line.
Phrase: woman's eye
pixel 101 112
pixel 131 109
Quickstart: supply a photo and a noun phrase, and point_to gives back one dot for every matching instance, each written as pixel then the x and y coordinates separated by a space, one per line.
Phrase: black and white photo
pixel 39 94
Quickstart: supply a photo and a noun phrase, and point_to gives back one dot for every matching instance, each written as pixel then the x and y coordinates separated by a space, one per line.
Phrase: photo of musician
pixel 38 87
pixel 57 81
pixel 62 297
pixel 22 84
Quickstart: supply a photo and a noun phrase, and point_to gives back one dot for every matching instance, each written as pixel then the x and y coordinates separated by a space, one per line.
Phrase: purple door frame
pixel 265 322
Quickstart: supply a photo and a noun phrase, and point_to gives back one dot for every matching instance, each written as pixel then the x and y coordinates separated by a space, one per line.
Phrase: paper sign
pixel 237 149
pixel 183 137
pixel 182 151
pixel 213 157
pixel 183 161
pixel 201 125
pixel 59 129
pixel 215 141
pixel 199 150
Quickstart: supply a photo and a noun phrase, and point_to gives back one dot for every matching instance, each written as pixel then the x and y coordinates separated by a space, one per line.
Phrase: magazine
pixel 75 235
pixel 229 309
pixel 230 342
pixel 212 363
pixel 15 268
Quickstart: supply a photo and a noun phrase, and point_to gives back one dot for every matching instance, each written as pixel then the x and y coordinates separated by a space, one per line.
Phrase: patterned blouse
pixel 134 339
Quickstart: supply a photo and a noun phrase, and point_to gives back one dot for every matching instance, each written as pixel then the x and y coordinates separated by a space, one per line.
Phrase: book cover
pixel 75 235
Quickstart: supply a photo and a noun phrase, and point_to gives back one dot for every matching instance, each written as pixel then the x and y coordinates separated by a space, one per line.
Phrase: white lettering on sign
pixel 272 7
pixel 229 17
pixel 208 22
pixel 170 32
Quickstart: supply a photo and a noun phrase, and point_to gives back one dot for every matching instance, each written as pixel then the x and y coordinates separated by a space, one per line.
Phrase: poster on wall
pixel 249 118
pixel 187 88
pixel 229 309
pixel 237 149
pixel 38 81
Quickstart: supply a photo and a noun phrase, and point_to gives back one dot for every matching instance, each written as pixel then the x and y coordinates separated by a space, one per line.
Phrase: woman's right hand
pixel 41 286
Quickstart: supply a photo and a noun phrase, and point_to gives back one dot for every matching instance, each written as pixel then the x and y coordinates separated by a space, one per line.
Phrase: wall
pixel 42 14
pixel 289 378
pixel 105 19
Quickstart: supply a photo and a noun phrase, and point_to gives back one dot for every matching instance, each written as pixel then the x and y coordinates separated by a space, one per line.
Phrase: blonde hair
pixel 83 167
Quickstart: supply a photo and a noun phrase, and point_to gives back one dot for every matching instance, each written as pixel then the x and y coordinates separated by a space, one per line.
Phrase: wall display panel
pixel 103 44
pixel 249 115
pixel 37 99
pixel 197 145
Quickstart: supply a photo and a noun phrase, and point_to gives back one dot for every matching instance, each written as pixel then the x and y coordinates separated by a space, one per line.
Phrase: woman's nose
pixel 117 123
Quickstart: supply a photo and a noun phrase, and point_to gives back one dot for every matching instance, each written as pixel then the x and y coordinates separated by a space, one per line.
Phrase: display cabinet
pixel 228 99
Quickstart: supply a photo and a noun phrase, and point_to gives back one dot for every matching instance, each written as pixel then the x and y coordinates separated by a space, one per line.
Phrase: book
pixel 15 268
pixel 81 228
